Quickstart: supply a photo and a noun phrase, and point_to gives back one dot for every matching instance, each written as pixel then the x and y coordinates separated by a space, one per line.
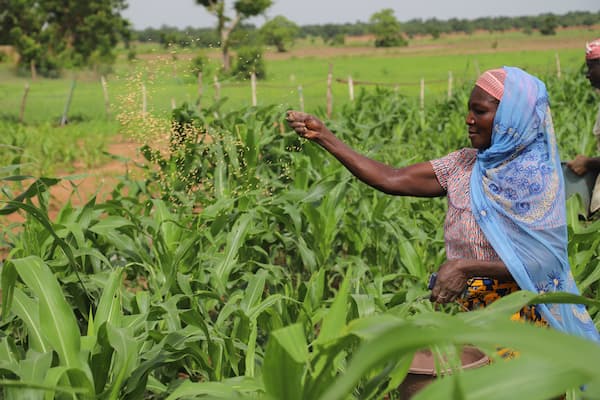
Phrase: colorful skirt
pixel 481 292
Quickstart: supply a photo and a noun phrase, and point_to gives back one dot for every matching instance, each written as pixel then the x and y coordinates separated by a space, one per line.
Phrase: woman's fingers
pixel 296 116
pixel 443 297
pixel 304 124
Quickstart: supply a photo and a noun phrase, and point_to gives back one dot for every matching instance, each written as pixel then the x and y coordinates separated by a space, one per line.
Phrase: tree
pixel 86 31
pixel 64 32
pixel 548 25
pixel 243 9
pixel 279 32
pixel 386 29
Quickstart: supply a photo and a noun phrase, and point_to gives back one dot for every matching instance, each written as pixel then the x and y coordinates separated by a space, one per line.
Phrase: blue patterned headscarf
pixel 518 199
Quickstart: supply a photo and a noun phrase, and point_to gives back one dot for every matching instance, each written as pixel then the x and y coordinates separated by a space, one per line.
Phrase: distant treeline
pixel 331 33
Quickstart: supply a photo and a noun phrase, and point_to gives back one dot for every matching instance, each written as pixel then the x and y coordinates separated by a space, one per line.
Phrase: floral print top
pixel 462 235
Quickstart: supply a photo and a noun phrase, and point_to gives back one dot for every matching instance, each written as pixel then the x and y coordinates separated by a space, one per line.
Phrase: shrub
pixel 250 59
pixel 199 64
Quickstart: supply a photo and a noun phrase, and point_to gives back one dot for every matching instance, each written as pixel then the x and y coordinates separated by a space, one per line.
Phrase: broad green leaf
pixel 110 223
pixel 73 379
pixel 251 350
pixel 57 320
pixel 109 306
pixel 254 291
pixel 35 189
pixel 436 328
pixel 235 240
pixel 335 319
pixel 27 310
pixel 8 280
pixel 209 390
pixel 524 377
pixel 285 362
pixel 125 358
pixel 34 369
pixel 171 231
pixel 318 191
pixel 9 356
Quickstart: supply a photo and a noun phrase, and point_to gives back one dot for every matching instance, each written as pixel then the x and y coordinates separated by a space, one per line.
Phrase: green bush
pixel 248 60
pixel 46 67
pixel 199 64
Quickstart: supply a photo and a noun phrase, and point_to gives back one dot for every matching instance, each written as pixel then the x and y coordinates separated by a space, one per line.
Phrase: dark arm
pixel 582 164
pixel 414 180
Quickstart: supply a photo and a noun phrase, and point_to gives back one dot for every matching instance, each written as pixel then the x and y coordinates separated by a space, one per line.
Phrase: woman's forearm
pixel 488 269
pixel 371 172
pixel 593 164
pixel 414 180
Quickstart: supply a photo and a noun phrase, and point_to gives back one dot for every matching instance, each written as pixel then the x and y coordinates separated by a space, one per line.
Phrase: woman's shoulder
pixel 467 153
pixel 464 156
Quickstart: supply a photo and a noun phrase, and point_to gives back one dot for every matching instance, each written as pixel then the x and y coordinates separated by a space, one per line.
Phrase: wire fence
pixel 96 99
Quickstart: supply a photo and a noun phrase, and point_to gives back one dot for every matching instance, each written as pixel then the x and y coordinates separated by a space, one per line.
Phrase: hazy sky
pixel 184 13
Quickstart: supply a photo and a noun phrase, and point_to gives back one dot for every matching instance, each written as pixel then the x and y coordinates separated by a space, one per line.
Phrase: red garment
pixel 462 235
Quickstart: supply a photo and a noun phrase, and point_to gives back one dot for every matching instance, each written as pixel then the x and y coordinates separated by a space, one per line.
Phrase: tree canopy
pixel 386 29
pixel 279 32
pixel 54 33
pixel 243 9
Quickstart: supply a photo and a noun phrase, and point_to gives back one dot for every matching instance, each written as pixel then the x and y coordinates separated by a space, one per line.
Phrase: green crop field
pixel 240 261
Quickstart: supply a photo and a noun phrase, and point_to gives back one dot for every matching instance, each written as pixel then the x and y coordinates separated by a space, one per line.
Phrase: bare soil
pixel 97 181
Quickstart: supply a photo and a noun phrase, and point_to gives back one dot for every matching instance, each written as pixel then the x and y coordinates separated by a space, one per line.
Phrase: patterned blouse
pixel 462 235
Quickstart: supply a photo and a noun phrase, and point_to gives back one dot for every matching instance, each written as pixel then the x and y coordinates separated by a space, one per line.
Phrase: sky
pixel 184 13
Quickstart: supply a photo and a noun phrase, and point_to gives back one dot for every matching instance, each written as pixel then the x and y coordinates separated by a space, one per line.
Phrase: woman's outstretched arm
pixel 413 180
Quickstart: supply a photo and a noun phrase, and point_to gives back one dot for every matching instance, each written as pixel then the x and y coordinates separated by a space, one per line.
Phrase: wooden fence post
pixel 422 101
pixel 144 101
pixel 253 86
pixel 351 87
pixel 301 96
pixel 199 90
pixel 217 89
pixel 422 95
pixel 23 102
pixel 33 70
pixel 106 99
pixel 450 79
pixel 557 66
pixel 329 91
pixel 63 120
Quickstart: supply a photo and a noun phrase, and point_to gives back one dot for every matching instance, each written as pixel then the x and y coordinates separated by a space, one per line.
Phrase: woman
pixel 505 228
pixel 581 164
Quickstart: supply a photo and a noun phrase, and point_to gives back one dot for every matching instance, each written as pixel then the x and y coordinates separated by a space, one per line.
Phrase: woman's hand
pixel 579 165
pixel 450 283
pixel 306 125
pixel 453 275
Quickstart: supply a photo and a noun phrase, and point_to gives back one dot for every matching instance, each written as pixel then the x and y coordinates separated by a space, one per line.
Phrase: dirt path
pixel 98 181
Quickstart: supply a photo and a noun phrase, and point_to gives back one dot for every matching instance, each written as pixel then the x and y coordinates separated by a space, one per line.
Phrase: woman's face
pixel 480 118
pixel 593 72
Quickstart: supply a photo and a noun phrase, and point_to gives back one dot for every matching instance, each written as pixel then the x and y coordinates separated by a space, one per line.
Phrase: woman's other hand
pixel 579 165
pixel 450 283
pixel 306 125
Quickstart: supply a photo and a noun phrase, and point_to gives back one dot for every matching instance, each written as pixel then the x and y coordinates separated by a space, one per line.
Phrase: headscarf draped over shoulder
pixel 518 199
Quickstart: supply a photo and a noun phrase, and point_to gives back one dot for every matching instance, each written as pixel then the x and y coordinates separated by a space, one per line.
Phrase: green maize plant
pixel 247 263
